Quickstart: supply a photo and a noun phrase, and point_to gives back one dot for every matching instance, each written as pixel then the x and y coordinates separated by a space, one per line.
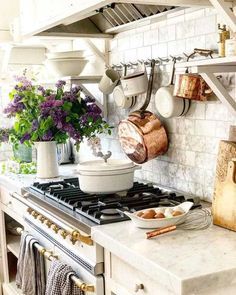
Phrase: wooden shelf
pixel 207 68
pixel 219 61
pixel 13 244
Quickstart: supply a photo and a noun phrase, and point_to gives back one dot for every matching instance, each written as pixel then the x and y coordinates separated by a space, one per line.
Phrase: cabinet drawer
pixel 11 202
pixel 133 280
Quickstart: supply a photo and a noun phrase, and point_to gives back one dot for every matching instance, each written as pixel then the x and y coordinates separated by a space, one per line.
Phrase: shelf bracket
pixel 95 50
pixel 225 11
pixel 218 88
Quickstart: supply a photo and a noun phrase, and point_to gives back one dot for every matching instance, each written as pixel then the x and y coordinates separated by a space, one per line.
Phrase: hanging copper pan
pixel 142 135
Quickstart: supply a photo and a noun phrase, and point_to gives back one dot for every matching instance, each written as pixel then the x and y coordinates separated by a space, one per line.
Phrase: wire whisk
pixel 196 220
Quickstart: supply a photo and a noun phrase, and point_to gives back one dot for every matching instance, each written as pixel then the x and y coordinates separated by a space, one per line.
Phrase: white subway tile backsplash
pixel 176 47
pixel 136 40
pixel 150 37
pixel 206 25
pixel 205 128
pixel 124 43
pixel 185 29
pixel 195 42
pixel 144 52
pixel 166 33
pixel 193 13
pixel 159 50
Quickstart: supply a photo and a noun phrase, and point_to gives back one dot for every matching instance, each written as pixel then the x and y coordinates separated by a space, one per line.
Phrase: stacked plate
pixel 68 63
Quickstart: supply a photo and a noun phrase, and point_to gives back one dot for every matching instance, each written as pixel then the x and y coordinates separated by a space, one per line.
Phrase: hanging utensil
pixel 166 103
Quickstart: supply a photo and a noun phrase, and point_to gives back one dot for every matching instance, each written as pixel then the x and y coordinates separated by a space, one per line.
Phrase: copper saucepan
pixel 142 135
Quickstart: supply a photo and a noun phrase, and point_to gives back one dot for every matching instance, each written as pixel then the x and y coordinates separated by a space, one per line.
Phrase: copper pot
pixel 142 136
pixel 191 86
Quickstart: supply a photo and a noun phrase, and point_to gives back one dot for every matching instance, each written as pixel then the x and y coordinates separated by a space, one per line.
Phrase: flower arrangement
pixel 52 115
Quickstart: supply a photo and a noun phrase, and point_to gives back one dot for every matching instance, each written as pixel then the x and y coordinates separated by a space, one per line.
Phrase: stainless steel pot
pixel 105 177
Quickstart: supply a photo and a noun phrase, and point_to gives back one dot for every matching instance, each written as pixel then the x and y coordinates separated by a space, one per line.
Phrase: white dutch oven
pixel 102 177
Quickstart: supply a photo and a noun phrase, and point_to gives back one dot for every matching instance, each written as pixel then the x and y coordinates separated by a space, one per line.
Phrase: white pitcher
pixel 47 164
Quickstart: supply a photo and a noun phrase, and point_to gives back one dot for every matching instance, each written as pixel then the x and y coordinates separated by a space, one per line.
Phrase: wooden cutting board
pixel 224 201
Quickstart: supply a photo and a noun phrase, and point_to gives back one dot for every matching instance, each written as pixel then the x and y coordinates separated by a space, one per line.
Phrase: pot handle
pixel 150 126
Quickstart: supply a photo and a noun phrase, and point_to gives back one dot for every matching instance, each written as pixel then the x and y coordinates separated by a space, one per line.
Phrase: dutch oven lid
pixel 101 165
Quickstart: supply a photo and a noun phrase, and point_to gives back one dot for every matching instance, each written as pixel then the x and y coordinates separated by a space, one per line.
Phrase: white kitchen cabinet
pixel 123 279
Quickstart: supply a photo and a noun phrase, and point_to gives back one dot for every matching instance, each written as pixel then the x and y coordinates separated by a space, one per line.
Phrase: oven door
pixel 86 277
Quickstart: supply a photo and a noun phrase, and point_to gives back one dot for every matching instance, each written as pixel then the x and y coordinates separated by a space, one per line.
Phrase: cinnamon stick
pixel 160 231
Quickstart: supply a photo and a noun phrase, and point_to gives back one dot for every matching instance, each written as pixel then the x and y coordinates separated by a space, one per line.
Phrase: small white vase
pixel 47 164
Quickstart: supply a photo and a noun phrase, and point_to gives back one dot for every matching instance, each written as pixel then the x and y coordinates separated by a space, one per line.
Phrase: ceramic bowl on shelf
pixel 66 54
pixel 168 220
pixel 66 67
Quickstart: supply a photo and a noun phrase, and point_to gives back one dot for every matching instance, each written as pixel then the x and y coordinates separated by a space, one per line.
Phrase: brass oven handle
pixel 77 236
pixel 50 256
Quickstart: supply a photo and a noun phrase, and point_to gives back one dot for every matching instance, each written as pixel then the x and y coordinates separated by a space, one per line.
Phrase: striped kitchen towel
pixel 59 282
pixel 30 277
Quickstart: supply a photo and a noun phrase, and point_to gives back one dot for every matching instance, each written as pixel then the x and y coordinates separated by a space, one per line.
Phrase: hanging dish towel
pixel 30 277
pixel 59 282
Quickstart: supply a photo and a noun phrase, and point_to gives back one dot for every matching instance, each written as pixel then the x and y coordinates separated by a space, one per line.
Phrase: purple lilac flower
pixel 14 108
pixel 24 83
pixel 17 98
pixel 25 137
pixel 42 90
pixel 58 117
pixel 48 105
pixel 93 108
pixel 69 96
pixel 84 118
pixel 4 135
pixel 48 136
pixel 76 89
pixel 88 99
pixel 60 84
pixel 35 125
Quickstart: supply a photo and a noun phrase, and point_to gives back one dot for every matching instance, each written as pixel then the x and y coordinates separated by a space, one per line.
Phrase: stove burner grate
pixel 103 208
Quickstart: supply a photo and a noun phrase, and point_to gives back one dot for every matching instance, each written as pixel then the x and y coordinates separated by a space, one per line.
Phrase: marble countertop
pixel 184 262
pixel 15 182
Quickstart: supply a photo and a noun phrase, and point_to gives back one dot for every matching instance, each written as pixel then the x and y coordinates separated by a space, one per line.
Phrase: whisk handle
pixel 160 231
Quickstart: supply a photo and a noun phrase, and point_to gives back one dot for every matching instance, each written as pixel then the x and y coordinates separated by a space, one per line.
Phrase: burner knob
pixel 138 287
pixel 55 228
pixel 34 214
pixel 48 223
pixel 63 233
pixel 29 210
pixel 41 218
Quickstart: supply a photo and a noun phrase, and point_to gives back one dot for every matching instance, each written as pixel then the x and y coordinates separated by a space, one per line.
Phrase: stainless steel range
pixel 60 215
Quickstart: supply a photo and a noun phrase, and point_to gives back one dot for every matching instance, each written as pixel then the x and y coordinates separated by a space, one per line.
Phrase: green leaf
pixel 67 106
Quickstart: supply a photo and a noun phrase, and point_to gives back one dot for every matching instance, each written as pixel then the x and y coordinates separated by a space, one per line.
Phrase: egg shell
pixel 168 212
pixel 178 208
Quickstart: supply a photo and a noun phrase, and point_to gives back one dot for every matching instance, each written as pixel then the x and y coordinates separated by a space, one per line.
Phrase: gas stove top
pixel 102 209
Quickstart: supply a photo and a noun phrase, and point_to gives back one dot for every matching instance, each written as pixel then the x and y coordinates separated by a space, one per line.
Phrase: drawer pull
pixel 138 287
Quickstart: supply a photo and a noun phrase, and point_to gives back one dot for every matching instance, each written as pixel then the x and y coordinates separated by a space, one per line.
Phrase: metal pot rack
pixel 163 61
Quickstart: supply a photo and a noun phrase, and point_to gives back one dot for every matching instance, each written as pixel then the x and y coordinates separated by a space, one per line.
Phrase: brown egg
pixel 139 214
pixel 149 214
pixel 177 213
pixel 159 215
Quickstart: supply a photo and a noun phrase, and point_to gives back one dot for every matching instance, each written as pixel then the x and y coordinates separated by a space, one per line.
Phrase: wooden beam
pixel 220 91
pixel 226 13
